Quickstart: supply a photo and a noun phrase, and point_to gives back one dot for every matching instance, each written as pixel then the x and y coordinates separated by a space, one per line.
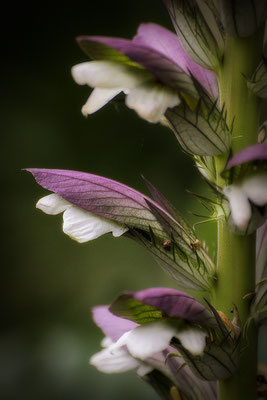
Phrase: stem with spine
pixel 236 254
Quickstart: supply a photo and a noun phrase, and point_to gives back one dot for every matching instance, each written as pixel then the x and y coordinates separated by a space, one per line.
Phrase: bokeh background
pixel 49 282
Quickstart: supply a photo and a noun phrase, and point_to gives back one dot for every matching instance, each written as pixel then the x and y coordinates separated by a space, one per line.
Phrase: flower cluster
pixel 166 335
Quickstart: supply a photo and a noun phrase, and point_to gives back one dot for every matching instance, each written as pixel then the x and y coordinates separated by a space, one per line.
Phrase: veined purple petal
pixel 160 52
pixel 112 326
pixel 101 196
pixel 174 303
pixel 164 41
pixel 162 67
pixel 251 153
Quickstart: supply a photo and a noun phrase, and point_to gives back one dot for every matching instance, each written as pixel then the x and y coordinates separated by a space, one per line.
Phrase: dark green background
pixel 49 282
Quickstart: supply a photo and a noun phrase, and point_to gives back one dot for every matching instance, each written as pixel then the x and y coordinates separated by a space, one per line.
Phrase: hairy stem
pixel 236 254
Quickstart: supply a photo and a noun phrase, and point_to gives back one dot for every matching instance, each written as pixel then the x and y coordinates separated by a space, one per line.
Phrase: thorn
pixel 249 296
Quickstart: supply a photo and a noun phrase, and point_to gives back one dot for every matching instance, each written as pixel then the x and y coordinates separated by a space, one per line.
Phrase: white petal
pixel 108 74
pixel 255 188
pixel 144 369
pixel 147 339
pixel 239 205
pixel 84 226
pixel 53 204
pixel 98 99
pixel 106 342
pixel 115 362
pixel 151 101
pixel 194 340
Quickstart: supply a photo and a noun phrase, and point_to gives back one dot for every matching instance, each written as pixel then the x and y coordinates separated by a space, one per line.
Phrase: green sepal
pixel 220 358
pixel 202 132
pixel 180 263
pixel 125 306
pixel 191 21
pixel 174 245
pixel 258 82
pixel 207 167
pixel 260 316
pixel 218 361
pixel 100 51
pixel 163 386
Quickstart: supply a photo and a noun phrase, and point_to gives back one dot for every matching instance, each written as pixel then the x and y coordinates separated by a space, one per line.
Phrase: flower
pixel 152 69
pixel 94 205
pixel 145 348
pixel 248 195
pixel 88 199
pixel 171 317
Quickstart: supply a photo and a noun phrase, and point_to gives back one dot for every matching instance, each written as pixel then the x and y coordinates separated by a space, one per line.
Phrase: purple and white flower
pixel 152 69
pixel 144 348
pixel 93 205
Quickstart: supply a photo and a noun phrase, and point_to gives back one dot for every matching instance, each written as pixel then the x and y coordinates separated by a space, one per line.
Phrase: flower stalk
pixel 235 253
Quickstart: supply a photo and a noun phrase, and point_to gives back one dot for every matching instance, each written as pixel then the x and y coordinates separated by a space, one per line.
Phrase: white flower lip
pixel 153 337
pixel 254 189
pixel 114 362
pixel 79 224
pixel 108 78
pixel 98 99
pixel 239 205
pixel 151 101
pixel 108 75
pixel 147 339
pixel 194 340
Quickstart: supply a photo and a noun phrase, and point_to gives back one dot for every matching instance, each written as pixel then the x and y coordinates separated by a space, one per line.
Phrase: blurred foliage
pixel 49 282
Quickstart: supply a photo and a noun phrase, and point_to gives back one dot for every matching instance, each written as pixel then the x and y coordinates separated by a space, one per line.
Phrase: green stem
pixel 236 254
